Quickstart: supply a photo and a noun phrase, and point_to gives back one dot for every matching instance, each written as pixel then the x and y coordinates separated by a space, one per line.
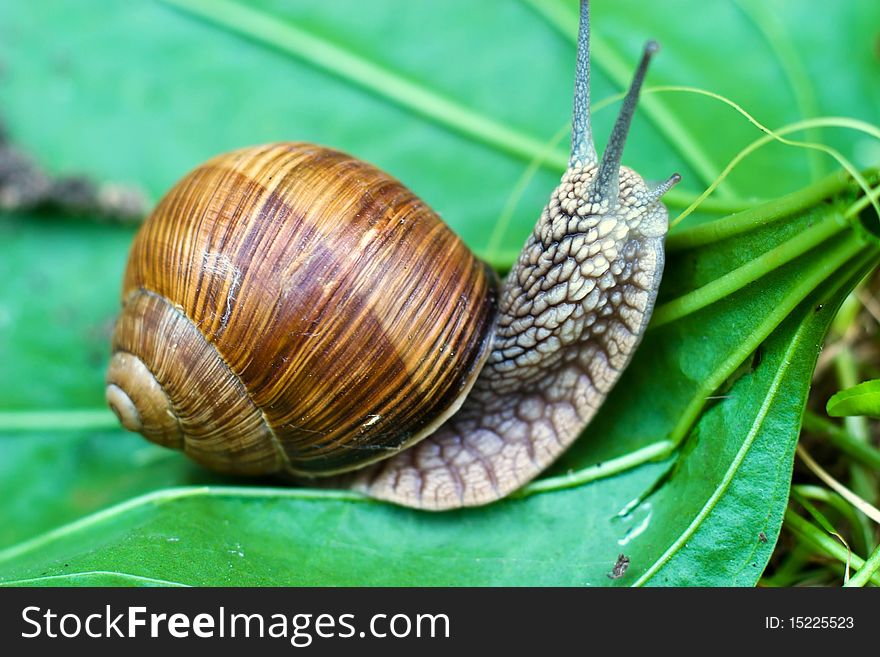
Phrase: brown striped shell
pixel 288 308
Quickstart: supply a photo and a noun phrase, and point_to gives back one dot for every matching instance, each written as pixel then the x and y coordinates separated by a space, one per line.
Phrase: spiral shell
pixel 288 308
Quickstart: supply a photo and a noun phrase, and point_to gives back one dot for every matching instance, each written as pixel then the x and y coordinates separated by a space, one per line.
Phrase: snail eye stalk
pixel 608 178
pixel 583 151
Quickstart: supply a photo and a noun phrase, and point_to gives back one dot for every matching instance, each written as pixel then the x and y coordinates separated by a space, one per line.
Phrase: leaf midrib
pixel 729 475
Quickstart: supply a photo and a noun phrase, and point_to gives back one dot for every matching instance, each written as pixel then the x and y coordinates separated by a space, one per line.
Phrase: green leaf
pixel 861 399
pixel 687 464
pixel 692 519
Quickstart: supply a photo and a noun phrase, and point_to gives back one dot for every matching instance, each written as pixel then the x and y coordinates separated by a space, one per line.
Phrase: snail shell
pixel 288 308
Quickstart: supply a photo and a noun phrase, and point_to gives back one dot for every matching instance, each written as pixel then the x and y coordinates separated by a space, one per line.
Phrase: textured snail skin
pixel 290 309
pixel 571 314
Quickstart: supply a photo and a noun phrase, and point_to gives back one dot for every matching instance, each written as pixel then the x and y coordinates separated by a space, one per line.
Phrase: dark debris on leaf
pixel 620 567
pixel 24 185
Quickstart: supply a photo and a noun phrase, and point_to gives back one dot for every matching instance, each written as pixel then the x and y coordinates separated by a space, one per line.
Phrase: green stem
pixel 751 271
pixel 762 215
pixel 811 534
pixel 865 200
pixel 862 481
pixel 777 135
pixel 824 266
pixel 681 199
pixel 814 511
pixel 653 452
pixel 803 492
pixel 847 370
pixel 867 571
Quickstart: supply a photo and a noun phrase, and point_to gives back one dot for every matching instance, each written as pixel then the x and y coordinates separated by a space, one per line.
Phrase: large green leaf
pixel 142 92
pixel 725 488
pixel 735 477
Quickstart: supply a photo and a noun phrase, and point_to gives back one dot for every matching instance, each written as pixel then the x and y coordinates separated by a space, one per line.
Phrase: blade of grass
pixel 868 570
pixel 840 438
pixel 809 533
pixel 751 271
pixel 868 509
pixel 761 215
pixel 832 499
pixel 777 135
pixel 824 523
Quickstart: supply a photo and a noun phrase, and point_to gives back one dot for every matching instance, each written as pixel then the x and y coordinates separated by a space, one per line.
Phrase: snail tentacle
pixel 608 176
pixel 583 151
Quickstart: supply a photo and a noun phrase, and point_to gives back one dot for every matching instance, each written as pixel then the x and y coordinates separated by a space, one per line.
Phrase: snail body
pixel 290 309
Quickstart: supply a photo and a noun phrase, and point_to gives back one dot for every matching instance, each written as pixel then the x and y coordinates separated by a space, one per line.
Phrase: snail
pixel 288 309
